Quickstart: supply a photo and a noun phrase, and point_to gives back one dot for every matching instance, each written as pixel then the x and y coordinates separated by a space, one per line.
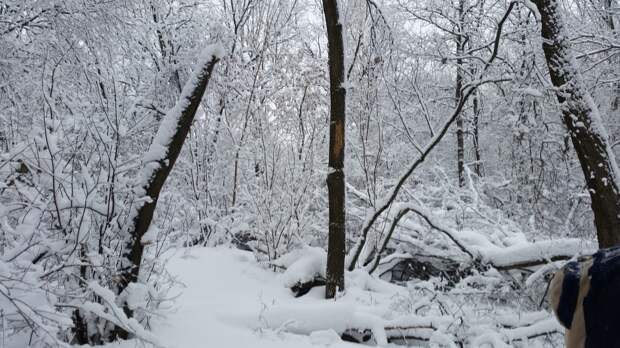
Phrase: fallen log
pixel 425 267
pixel 302 288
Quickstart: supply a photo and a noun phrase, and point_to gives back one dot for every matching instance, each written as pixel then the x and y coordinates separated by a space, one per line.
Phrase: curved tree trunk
pixel 587 132
pixel 335 177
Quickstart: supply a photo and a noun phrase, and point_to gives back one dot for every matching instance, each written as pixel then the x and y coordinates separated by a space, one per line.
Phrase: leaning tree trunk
pixel 581 117
pixel 335 177
pixel 608 8
pixel 158 163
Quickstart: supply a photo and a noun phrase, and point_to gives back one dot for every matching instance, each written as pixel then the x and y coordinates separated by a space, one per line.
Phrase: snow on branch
pixel 157 165
pixel 309 318
pixel 480 248
pixel 302 265
pixel 385 203
pixel 532 7
pixel 162 155
pixel 114 314
pixel 534 253
pixel 160 147
pixel 543 327
pixel 306 318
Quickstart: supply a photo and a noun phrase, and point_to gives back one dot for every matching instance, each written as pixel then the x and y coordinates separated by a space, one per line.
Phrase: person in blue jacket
pixel 585 297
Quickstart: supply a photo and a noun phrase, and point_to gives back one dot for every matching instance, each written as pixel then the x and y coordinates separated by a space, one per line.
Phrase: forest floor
pixel 221 295
pixel 224 298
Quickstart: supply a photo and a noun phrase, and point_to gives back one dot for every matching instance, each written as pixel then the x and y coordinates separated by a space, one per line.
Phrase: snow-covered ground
pixel 225 298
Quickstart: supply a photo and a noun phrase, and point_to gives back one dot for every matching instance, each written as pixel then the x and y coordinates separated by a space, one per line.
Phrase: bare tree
pixel 581 117
pixel 460 138
pixel 335 177
pixel 608 6
pixel 390 198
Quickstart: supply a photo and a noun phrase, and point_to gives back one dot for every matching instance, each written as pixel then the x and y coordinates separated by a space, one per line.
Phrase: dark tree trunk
pixel 460 136
pixel 580 115
pixel 335 177
pixel 608 7
pixel 476 134
pixel 609 13
pixel 186 106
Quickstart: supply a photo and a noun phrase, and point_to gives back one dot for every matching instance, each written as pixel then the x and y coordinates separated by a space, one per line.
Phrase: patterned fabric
pixel 602 304
pixel 570 294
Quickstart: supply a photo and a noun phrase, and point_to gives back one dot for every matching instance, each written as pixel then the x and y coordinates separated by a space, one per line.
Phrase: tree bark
pixel 335 177
pixel 609 13
pixel 181 117
pixel 608 8
pixel 581 117
pixel 460 137
pixel 476 134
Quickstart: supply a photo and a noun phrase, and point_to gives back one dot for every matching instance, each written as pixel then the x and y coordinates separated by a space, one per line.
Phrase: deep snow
pixel 224 297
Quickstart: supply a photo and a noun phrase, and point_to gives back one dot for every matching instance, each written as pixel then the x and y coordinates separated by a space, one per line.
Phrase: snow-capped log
pixel 584 123
pixel 361 324
pixel 159 160
pixel 481 250
pixel 537 253
pixel 305 269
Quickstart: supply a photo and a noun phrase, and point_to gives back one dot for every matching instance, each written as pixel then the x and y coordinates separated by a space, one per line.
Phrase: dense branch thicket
pixel 479 133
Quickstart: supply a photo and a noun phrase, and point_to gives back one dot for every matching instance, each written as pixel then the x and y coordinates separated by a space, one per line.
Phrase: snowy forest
pixel 302 173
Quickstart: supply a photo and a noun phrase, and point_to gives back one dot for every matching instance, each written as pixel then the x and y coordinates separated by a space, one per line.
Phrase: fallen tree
pixel 487 254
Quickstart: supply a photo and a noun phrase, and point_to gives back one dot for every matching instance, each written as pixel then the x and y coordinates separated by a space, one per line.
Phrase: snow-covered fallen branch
pixel 535 253
pixel 304 269
pixel 543 327
pixel 481 250
pixel 306 318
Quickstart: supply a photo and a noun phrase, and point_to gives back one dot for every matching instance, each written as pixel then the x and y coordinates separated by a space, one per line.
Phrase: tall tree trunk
pixel 159 161
pixel 609 13
pixel 608 7
pixel 335 177
pixel 476 134
pixel 460 137
pixel 581 117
